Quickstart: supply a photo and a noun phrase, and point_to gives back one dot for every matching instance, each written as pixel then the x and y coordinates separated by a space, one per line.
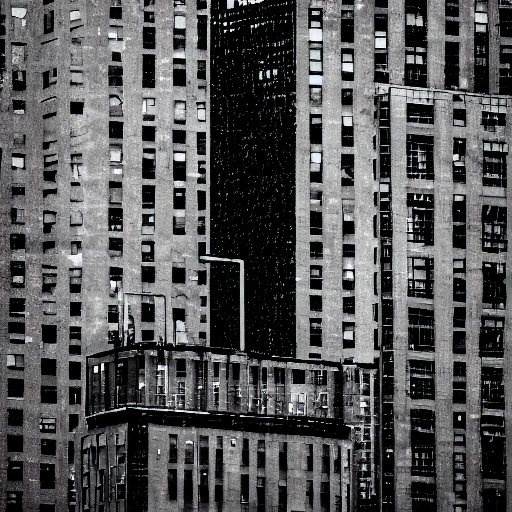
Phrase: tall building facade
pixel 386 92
pixel 352 144
pixel 104 201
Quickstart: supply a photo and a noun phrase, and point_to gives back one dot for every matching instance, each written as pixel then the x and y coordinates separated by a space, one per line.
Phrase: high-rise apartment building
pixel 104 205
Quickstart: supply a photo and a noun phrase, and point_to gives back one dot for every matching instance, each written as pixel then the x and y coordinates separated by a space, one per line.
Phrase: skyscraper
pixel 103 135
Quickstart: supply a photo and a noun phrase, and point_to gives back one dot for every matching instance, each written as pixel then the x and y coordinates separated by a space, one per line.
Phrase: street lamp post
pixel 215 259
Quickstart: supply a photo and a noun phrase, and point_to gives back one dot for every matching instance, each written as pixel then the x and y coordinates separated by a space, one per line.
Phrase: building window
pixel 172 483
pixel 494 228
pixel 260 454
pixel 15 361
pixel 347 118
pixel 494 288
pixel 14 471
pixel 451 58
pixel 315 128
pixel 148 70
pixel 422 113
pixel 423 496
pixel 422 375
pixel 202 31
pixel 347 170
pixel 420 218
pixel 421 329
pixel 315 167
pixel 201 143
pixel 179 73
pixel 48 447
pixel 201 70
pixel 316 250
pixel 459 117
pixel 47 476
pixel 315 277
pixel 349 335
pixel 423 442
pixel 48 394
pixel 459 221
pixel 459 392
pixel 420 277
pixel 347 64
pixel 315 332
pixel 491 336
pixel 459 280
pixel 347 26
pixel 492 390
pixel 149 38
pixel 495 164
pixel 420 157
pixel 148 224
pixel 416 66
pixel 459 161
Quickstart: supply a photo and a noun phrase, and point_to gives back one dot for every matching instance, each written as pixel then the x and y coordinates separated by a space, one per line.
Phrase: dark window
pixel 179 77
pixel 15 417
pixel 494 289
pixel 422 375
pixel 49 366
pixel 423 442
pixel 49 333
pixel 491 336
pixel 420 218
pixel 316 250
pixel 75 309
pixel 148 70
pixel 420 157
pixel 420 277
pixel 115 76
pixel 115 219
pixel 459 280
pixel 201 70
pixel 494 228
pixel 48 446
pixel 315 277
pixel 148 163
pixel 14 443
pixel 347 170
pixel 178 275
pixel 147 274
pixel 459 221
pixel 260 454
pixel 298 377
pixel 451 8
pixel 452 29
pixel 148 38
pixel 459 117
pixel 148 196
pixel 14 471
pixel 315 303
pixel 347 26
pixel 48 394
pixel 245 452
pixel 47 476
pixel 315 332
pixel 188 486
pixel 201 200
pixel 202 29
pixel 15 388
pixel 492 390
pixel 49 21
pixel 172 483
pixel 315 223
pixel 201 143
pixel 315 128
pixel 421 329
pixel 422 113
pixel 349 305
pixel 115 246
pixel 495 164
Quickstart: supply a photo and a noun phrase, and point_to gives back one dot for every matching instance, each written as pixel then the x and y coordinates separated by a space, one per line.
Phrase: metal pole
pixel 213 259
